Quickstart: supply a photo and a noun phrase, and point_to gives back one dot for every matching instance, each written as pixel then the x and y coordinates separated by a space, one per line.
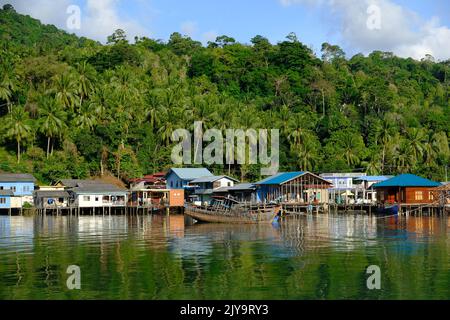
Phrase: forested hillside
pixel 71 107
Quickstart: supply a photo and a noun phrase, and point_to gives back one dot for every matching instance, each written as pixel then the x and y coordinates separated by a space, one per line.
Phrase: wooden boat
pixel 231 211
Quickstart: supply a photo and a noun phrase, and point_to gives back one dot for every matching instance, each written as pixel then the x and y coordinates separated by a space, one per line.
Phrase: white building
pixel 206 186
pixel 94 194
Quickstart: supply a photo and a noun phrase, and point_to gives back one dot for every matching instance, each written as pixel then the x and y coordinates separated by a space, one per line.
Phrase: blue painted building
pixel 5 199
pixel 16 189
pixel 179 178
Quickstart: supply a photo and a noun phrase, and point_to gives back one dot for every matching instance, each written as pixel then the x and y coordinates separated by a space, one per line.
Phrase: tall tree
pixel 19 127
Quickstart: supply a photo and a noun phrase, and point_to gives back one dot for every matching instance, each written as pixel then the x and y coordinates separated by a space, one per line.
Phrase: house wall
pixel 18 188
pixel 224 182
pixel 5 203
pixel 340 182
pixel 94 201
pixel 174 182
pixel 43 203
pixel 176 198
pixel 410 195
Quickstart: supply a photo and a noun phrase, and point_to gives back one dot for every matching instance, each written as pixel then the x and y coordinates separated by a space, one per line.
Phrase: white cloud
pixel 401 31
pixel 209 36
pixel 189 28
pixel 102 18
pixel 99 18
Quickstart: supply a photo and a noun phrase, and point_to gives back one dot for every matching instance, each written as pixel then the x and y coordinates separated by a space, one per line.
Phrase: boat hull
pixel 389 210
pixel 251 217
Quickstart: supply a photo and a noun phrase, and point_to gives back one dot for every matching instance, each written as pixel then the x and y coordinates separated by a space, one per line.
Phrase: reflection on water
pixel 164 257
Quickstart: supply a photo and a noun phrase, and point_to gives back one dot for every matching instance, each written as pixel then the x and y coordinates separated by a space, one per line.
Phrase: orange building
pixel 406 189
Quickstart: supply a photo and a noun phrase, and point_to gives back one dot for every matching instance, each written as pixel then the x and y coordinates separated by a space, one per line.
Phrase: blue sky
pixel 408 28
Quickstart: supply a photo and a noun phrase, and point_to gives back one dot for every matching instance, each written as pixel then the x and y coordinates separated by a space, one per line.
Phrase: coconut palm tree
pixel 65 90
pixel 384 135
pixel 18 128
pixel 85 78
pixel 7 85
pixel 154 110
pixel 350 149
pixel 416 139
pixel 86 116
pixel 51 120
pixel 307 153
pixel 404 158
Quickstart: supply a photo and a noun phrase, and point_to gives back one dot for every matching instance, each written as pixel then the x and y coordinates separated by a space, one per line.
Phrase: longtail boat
pixel 231 211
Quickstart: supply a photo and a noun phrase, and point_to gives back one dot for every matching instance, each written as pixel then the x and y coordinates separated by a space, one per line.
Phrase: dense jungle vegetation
pixel 72 107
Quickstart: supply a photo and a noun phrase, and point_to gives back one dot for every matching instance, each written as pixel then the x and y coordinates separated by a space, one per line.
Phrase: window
pixel 171 184
pixel 431 196
pixel 2 200
pixel 229 184
pixel 86 198
pixel 96 199
pixel 13 189
pixel 419 195
pixel 1 187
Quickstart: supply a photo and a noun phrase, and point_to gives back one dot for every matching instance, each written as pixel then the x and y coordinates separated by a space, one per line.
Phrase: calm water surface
pixel 160 257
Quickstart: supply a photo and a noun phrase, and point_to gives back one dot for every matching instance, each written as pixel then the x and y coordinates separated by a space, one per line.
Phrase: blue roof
pixel 280 178
pixel 407 180
pixel 190 173
pixel 373 178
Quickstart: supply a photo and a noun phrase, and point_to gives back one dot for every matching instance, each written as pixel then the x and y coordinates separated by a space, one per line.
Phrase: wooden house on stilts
pixel 293 187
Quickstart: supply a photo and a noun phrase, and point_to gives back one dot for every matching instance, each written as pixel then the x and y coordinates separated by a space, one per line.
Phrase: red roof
pixel 151 178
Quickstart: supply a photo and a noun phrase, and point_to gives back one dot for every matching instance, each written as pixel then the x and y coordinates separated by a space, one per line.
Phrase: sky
pixel 409 28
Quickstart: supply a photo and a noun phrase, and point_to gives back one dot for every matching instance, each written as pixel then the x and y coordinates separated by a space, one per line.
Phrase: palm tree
pixel 65 90
pixel 297 132
pixel 383 138
pixel 307 154
pixel 154 110
pixel 51 120
pixel 7 87
pixel 416 139
pixel 18 128
pixel 404 157
pixel 85 78
pixel 86 117
pixel 349 147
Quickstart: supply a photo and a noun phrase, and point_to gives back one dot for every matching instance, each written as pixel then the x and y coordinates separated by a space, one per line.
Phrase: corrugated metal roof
pixel 221 190
pixel 211 179
pixel 373 178
pixel 99 188
pixel 16 177
pixel 190 173
pixel 51 194
pixel 281 178
pixel 242 186
pixel 406 180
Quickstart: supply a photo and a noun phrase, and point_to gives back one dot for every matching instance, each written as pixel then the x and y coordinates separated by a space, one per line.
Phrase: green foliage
pixel 70 107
